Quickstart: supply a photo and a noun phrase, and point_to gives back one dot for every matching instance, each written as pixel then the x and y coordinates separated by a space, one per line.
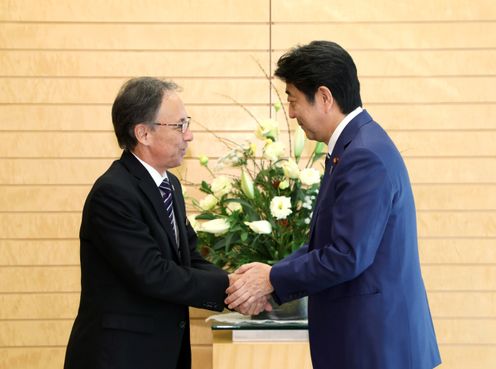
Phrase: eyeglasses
pixel 182 126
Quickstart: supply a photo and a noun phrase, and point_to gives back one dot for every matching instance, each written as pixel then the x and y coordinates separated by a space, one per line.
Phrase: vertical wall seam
pixel 270 58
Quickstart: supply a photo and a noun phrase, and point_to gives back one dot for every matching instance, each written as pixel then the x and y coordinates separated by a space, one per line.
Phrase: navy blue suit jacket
pixel 367 306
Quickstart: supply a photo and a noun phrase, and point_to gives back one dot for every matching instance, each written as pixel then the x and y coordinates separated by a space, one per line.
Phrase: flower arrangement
pixel 263 214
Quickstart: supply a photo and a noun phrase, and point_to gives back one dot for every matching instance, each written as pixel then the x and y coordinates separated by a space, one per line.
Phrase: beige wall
pixel 428 73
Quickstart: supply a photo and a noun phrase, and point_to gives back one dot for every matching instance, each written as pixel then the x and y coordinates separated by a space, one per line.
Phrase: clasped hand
pixel 249 289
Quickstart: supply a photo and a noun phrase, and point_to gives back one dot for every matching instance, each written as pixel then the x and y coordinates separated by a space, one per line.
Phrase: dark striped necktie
pixel 165 186
pixel 328 160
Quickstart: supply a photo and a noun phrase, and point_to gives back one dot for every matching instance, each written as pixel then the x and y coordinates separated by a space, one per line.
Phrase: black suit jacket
pixel 136 283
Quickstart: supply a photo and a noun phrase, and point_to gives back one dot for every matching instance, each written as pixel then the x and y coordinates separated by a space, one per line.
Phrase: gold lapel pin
pixel 335 161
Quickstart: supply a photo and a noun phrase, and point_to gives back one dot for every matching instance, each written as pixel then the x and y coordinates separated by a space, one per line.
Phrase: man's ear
pixel 141 133
pixel 326 98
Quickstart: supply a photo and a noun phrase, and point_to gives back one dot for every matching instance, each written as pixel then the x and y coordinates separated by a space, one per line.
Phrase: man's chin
pixel 309 135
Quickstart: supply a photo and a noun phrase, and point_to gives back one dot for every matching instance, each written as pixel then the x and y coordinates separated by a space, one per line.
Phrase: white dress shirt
pixel 340 128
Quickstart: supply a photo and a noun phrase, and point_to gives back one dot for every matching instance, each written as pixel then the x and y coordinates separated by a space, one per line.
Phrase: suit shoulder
pixel 375 138
pixel 115 176
pixel 172 177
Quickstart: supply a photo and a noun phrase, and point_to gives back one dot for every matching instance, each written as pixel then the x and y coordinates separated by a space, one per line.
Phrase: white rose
pixel 208 202
pixel 291 169
pixel 216 226
pixel 234 206
pixel 309 176
pixel 221 186
pixel 284 184
pixel 267 128
pixel 280 207
pixel 273 150
pixel 260 226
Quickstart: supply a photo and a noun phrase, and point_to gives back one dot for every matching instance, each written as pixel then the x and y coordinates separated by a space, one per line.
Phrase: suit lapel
pixel 180 220
pixel 152 192
pixel 342 143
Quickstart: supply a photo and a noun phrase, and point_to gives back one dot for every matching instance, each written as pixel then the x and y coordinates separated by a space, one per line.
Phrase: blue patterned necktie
pixel 167 199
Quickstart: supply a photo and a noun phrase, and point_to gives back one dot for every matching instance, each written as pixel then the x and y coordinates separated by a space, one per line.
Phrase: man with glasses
pixel 140 269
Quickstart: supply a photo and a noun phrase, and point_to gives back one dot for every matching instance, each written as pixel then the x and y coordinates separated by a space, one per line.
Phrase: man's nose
pixel 291 112
pixel 188 135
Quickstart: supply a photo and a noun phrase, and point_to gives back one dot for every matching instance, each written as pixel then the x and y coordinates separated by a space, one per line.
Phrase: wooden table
pixel 246 354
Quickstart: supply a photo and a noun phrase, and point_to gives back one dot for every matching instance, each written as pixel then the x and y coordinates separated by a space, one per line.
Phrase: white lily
pixel 260 226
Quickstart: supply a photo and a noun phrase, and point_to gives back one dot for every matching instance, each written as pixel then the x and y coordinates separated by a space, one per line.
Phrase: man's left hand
pixel 250 285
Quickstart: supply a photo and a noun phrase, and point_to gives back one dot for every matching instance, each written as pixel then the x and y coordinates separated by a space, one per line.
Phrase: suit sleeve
pixel 297 253
pixel 357 220
pixel 125 241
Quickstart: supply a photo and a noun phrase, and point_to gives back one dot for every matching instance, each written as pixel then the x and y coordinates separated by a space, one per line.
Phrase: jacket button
pixel 182 324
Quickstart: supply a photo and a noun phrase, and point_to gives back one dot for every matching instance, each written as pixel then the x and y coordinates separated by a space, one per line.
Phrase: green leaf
pixel 220 244
pixel 228 239
pixel 244 236
pixel 206 216
pixel 205 187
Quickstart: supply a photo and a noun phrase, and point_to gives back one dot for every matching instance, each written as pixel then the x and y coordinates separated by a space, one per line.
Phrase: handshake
pixel 249 289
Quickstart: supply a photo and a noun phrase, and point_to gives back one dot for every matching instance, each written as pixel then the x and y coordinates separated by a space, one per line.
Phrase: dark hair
pixel 322 63
pixel 138 101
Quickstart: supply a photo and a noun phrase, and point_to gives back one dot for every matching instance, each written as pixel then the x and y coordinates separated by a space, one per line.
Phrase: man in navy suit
pixel 367 306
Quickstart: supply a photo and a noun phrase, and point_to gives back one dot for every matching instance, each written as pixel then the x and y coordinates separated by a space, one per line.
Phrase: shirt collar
pixel 340 128
pixel 156 176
